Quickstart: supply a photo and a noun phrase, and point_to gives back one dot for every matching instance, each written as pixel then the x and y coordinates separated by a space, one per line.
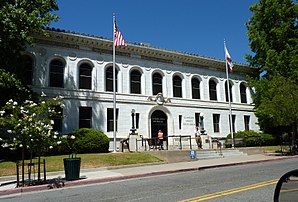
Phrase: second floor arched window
pixel 109 79
pixel 28 68
pixel 212 90
pixel 227 92
pixel 156 83
pixel 85 76
pixel 195 86
pixel 135 82
pixel 177 86
pixel 56 73
pixel 243 93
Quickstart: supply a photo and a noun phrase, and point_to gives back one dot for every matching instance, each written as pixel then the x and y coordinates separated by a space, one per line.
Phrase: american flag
pixel 228 59
pixel 119 40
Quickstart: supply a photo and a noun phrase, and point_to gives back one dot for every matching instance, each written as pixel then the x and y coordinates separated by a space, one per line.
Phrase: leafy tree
pixel 12 88
pixel 273 37
pixel 30 126
pixel 19 20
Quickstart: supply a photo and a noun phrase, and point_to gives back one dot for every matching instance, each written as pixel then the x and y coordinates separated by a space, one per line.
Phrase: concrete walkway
pixel 90 176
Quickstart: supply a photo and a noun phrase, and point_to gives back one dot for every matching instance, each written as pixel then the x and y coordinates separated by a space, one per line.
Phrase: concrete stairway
pixel 213 154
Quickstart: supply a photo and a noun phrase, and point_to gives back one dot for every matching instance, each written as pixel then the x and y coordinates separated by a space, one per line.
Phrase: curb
pixel 110 179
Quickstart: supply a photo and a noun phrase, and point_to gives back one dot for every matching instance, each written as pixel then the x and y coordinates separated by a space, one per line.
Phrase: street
pixel 251 182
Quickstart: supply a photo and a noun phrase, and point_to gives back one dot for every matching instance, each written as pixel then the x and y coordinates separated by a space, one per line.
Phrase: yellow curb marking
pixel 230 191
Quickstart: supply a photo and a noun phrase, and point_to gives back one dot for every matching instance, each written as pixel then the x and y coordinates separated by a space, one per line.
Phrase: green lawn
pixel 55 163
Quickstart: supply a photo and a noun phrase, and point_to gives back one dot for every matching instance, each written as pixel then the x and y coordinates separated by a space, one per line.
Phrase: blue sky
pixel 191 26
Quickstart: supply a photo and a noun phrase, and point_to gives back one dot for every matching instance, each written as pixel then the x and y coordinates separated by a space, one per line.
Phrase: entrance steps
pixel 174 156
pixel 213 154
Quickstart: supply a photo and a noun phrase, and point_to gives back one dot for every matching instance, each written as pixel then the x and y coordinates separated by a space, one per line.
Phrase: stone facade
pixel 174 114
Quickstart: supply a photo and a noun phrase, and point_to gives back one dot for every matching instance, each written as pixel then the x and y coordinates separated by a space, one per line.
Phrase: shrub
pixel 84 140
pixel 252 138
pixel 90 141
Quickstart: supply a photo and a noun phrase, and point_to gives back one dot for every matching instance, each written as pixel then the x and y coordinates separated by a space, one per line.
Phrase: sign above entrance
pixel 159 99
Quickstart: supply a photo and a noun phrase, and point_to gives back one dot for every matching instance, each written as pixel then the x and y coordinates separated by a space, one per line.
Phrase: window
pixel 197 119
pixel 212 90
pixel 57 73
pixel 233 122
pixel 57 126
pixel 28 67
pixel 85 120
pixel 157 83
pixel 177 86
pixel 109 79
pixel 180 122
pixel 110 119
pixel 227 92
pixel 85 78
pixel 246 122
pixel 216 123
pixel 135 82
pixel 243 93
pixel 137 120
pixel 195 85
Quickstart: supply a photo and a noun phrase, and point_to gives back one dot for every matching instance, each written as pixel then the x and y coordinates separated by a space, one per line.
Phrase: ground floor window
pixel 110 119
pixel 216 122
pixel 246 122
pixel 57 126
pixel 85 117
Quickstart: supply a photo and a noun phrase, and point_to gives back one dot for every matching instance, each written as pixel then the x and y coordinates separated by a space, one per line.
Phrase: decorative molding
pixel 159 99
pixel 125 65
pixel 42 52
pixel 72 56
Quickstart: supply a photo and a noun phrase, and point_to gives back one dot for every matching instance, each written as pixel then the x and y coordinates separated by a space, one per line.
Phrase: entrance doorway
pixel 159 121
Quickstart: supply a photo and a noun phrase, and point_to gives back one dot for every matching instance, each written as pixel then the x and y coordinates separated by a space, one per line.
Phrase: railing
pixel 153 143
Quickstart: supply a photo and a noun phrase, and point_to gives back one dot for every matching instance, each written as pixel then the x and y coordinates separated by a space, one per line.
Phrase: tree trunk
pixel 38 167
pixel 23 165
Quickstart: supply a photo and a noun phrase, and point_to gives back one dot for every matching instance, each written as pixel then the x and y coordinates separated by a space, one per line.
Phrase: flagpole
pixel 229 98
pixel 114 86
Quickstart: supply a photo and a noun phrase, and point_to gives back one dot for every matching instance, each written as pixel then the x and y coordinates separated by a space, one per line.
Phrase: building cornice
pixel 105 46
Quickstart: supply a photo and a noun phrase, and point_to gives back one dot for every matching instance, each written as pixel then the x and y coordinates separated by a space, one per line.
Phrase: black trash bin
pixel 72 168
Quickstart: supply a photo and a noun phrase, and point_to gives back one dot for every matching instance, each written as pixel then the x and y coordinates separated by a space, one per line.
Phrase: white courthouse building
pixel 168 90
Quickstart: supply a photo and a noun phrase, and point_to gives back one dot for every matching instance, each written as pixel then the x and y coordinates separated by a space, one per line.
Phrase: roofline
pixel 105 45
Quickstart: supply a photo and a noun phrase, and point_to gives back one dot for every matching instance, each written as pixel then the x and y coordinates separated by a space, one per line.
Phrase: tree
pixel 30 126
pixel 273 37
pixel 19 20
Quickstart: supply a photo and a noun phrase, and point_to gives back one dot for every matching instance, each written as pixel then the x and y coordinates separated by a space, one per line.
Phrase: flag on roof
pixel 118 38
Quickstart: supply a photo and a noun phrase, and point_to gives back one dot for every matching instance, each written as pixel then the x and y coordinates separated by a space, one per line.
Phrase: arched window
pixel 243 93
pixel 227 92
pixel 109 79
pixel 56 73
pixel 212 90
pixel 28 67
pixel 177 86
pixel 195 85
pixel 85 76
pixel 135 82
pixel 156 83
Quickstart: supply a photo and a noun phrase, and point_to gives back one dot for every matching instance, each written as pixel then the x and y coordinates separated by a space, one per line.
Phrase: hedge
pixel 252 138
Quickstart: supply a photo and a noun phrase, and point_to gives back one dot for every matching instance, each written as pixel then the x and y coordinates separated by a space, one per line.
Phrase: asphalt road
pixel 252 182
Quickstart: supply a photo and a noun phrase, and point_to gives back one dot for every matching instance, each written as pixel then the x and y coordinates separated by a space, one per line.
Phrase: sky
pixel 188 26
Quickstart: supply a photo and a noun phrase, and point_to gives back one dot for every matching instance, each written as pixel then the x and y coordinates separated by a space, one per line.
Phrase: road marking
pixel 231 191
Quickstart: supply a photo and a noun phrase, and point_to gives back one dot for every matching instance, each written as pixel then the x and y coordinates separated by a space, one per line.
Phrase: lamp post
pixel 133 130
pixel 202 124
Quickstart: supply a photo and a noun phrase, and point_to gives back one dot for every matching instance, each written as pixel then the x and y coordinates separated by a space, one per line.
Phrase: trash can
pixel 72 168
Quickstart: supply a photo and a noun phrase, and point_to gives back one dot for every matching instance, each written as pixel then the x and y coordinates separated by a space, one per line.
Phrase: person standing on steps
pixel 160 138
pixel 198 137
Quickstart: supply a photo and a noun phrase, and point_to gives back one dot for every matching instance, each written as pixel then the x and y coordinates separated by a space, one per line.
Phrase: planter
pixel 72 168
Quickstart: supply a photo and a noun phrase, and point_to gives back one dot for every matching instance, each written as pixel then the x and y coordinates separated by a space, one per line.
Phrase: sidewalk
pixel 96 175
